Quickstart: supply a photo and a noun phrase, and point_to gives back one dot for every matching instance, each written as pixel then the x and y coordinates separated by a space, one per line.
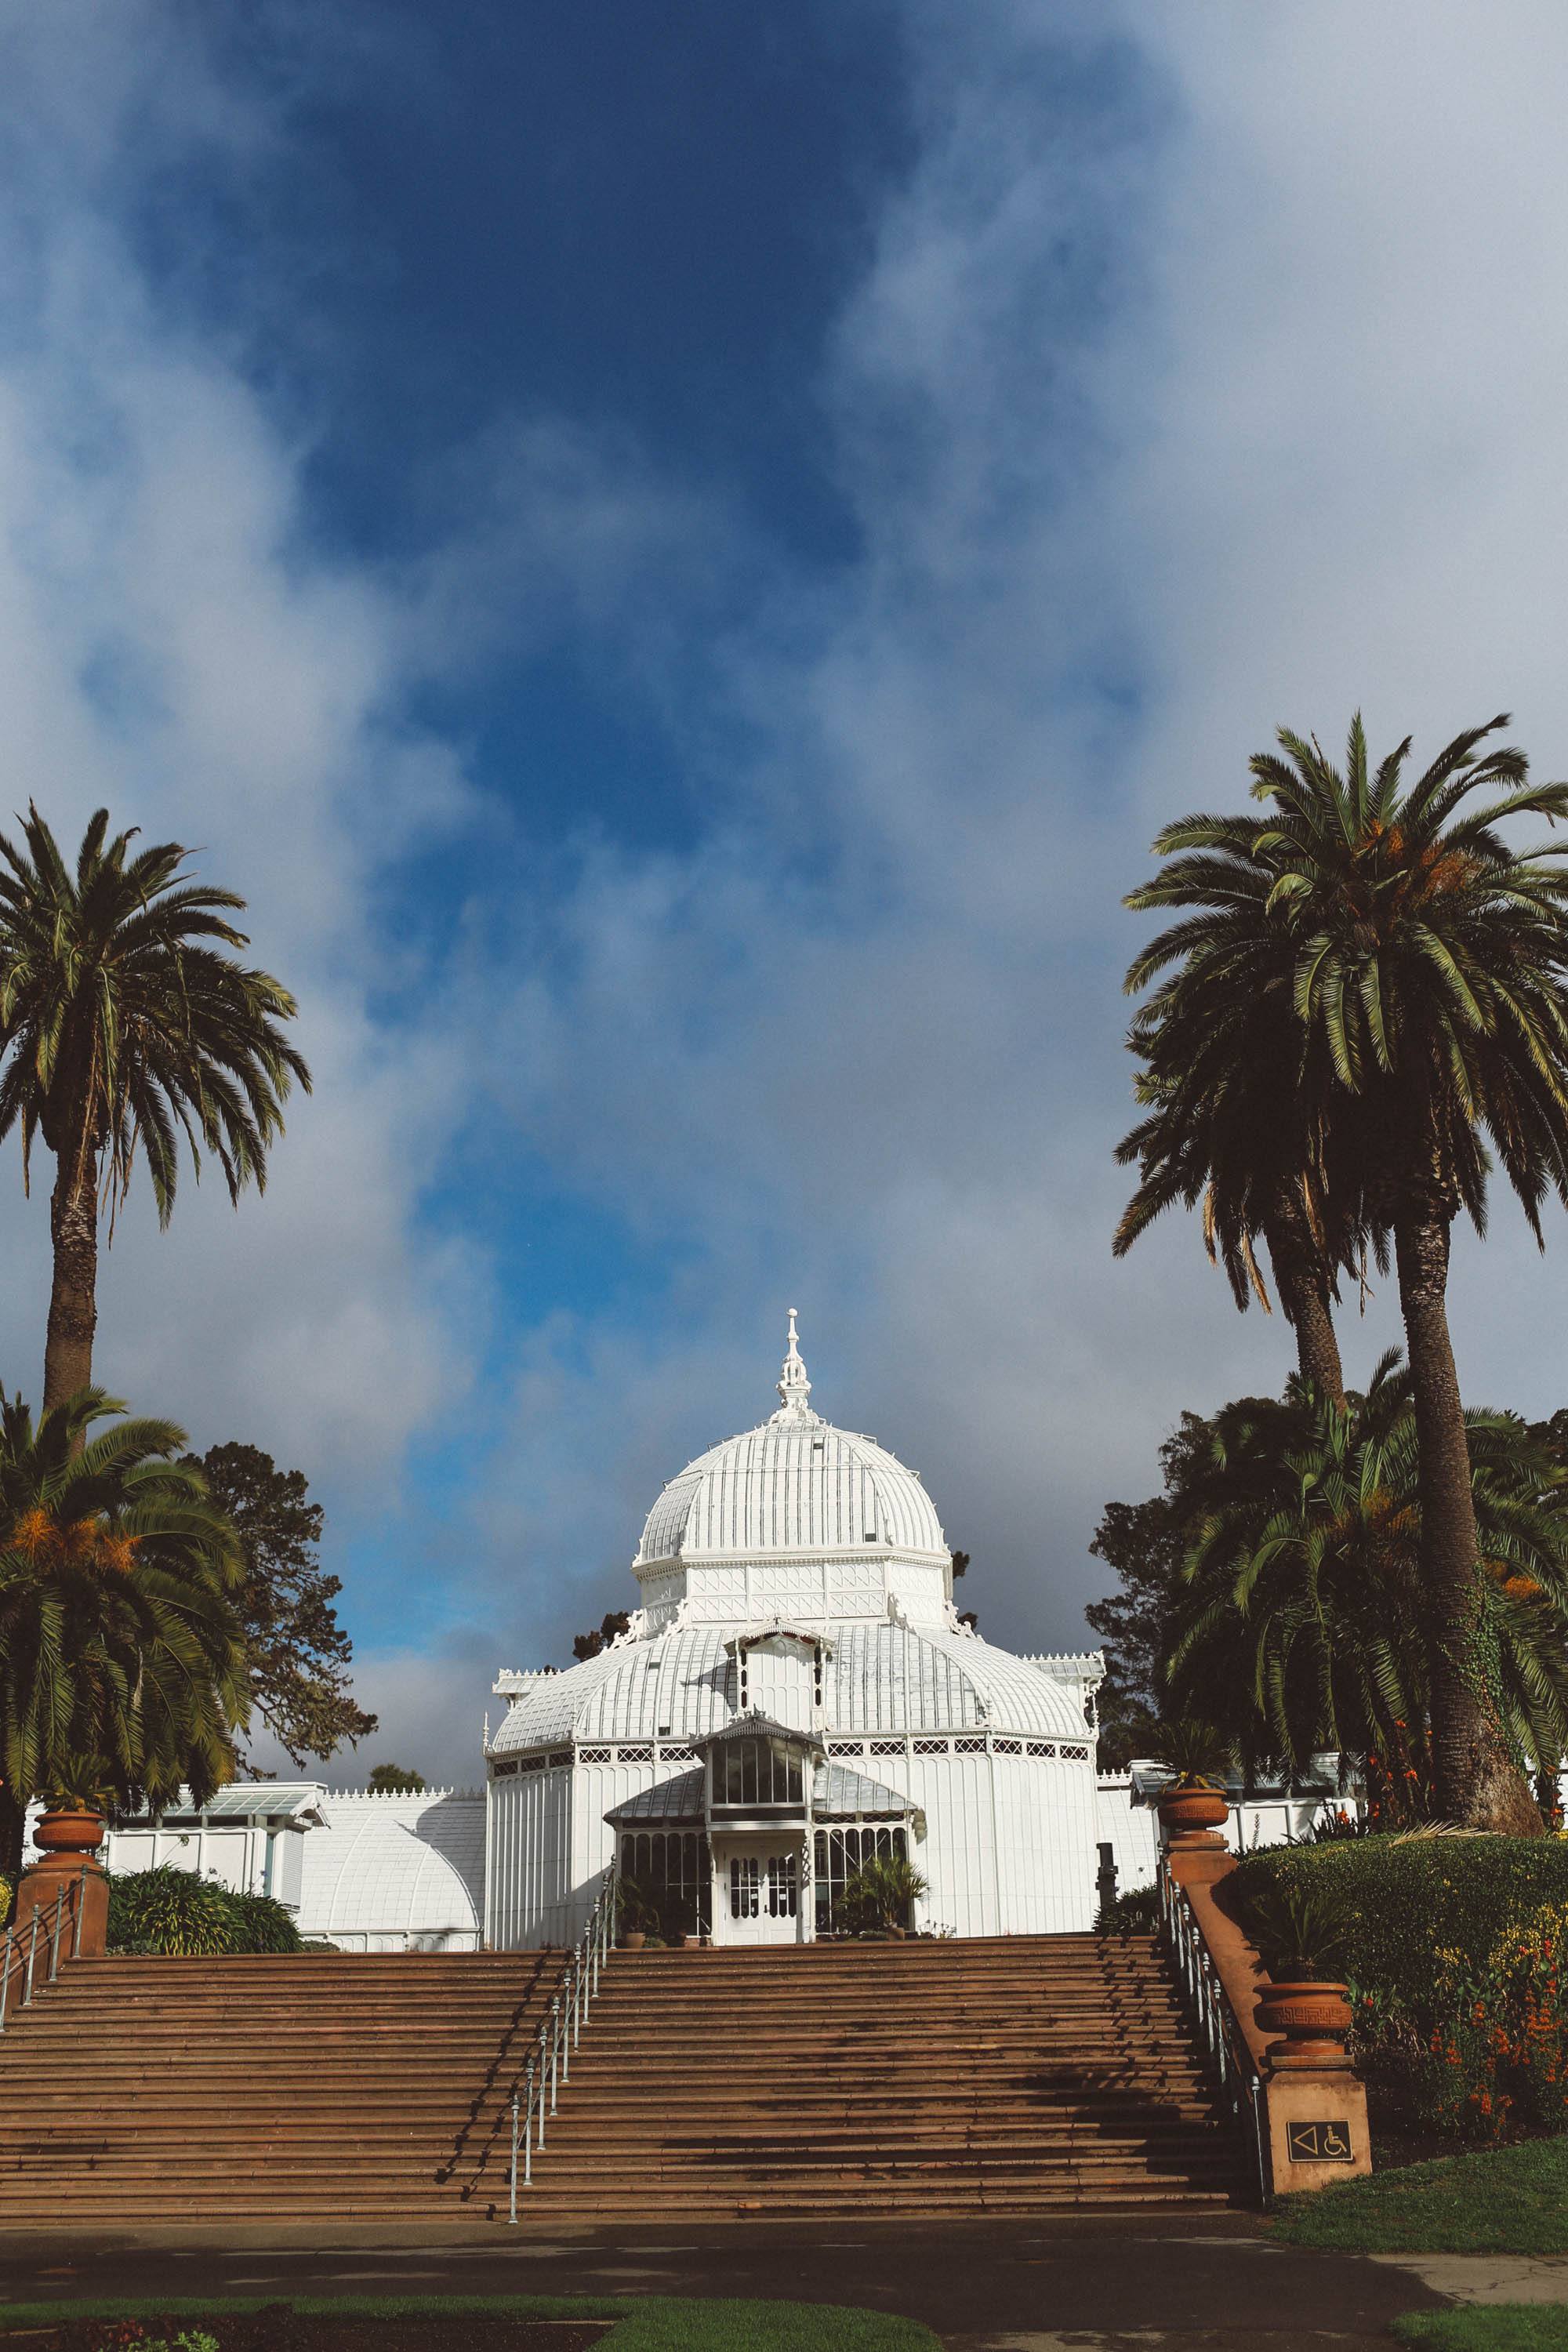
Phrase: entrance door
pixel 759 1892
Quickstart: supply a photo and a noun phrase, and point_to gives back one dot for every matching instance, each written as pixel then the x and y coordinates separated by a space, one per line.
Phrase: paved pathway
pixel 1092 2286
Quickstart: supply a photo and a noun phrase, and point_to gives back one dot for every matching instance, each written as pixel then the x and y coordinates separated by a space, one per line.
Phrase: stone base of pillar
pixel 83 1881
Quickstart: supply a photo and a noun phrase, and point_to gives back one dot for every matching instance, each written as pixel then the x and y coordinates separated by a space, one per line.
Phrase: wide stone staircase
pixel 1015 2075
pixel 302 2088
pixel 1020 2075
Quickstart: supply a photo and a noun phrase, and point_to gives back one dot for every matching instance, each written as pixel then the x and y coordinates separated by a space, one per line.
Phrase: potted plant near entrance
pixel 637 1914
pixel 1302 1940
pixel 881 1898
pixel 1193 1800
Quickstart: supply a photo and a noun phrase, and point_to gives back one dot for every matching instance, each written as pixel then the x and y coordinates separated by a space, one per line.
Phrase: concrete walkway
pixel 1206 2284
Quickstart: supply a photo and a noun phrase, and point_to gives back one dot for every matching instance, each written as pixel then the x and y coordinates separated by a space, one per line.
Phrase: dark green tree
pixel 1146 1544
pixel 126 1024
pixel 1297 1620
pixel 121 1653
pixel 588 1645
pixel 393 1781
pixel 297 1651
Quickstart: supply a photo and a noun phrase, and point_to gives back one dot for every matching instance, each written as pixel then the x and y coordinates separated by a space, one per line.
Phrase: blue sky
pixel 679 556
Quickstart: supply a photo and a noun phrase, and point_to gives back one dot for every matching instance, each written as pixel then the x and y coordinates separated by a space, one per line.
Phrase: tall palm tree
pixel 1427 961
pixel 122 1656
pixel 124 1023
pixel 1300 1624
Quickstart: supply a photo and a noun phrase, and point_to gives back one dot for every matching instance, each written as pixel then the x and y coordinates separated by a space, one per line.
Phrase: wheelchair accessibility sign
pixel 1319 2143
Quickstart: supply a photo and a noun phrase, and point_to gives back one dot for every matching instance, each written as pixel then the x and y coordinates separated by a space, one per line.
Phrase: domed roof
pixel 878 1678
pixel 794 1483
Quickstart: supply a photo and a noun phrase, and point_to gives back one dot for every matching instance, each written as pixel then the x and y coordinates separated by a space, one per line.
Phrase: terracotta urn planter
pixel 1189 1813
pixel 1314 2018
pixel 633 1940
pixel 69 1829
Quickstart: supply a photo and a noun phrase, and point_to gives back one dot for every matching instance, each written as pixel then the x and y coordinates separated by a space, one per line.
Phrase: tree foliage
pixel 1422 959
pixel 122 1651
pixel 127 1027
pixel 614 1622
pixel 396 1781
pixel 1275 1585
pixel 298 1654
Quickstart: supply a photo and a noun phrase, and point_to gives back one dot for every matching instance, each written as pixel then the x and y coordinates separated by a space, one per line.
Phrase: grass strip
pixel 649 2324
pixel 316 2306
pixel 1503 2201
pixel 697 2324
pixel 1489 2328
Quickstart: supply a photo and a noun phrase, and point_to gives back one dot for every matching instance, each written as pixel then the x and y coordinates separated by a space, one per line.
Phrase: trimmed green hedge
pixel 1407 1902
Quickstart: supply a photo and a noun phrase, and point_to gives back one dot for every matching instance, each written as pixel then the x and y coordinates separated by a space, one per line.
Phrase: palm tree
pixel 1234 1116
pixel 1426 972
pixel 123 1657
pixel 1302 1619
pixel 124 1024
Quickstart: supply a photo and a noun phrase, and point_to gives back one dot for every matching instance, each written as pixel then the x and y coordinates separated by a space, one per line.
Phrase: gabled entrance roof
pixel 837 1794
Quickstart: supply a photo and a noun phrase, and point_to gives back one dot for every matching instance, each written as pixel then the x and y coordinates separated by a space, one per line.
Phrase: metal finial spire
pixel 795 1389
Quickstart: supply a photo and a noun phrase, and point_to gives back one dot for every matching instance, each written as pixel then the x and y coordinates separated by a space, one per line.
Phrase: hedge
pixel 171 1913
pixel 1407 1901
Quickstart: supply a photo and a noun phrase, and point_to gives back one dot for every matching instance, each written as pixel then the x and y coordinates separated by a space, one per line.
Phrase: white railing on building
pixel 1219 2029
pixel 549 2061
pixel 19 1956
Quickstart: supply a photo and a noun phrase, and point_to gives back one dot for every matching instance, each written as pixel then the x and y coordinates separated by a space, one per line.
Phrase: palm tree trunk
pixel 1479 1786
pixel 73 1300
pixel 1304 1294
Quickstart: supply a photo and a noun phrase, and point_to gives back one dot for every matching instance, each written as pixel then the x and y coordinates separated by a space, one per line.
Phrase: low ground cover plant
pixel 172 1914
pixel 1456 1951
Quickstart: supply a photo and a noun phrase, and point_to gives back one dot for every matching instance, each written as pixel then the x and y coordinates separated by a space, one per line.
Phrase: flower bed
pixel 1458 1961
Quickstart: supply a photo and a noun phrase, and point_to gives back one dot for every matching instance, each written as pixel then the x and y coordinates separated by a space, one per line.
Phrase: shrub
pixel 263 1925
pixel 1457 1953
pixel 880 1894
pixel 172 1914
pixel 1136 1913
pixel 1500 2056
pixel 1400 1899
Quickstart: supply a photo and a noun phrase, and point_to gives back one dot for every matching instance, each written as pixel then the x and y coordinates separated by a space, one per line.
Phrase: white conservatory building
pixel 795 1694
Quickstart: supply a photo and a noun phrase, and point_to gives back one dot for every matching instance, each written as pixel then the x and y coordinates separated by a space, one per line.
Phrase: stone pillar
pixel 1314 2099
pixel 69 1841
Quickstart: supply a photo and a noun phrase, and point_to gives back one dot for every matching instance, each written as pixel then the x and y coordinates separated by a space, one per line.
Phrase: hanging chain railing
pixel 1219 2028
pixel 19 1950
pixel 549 2061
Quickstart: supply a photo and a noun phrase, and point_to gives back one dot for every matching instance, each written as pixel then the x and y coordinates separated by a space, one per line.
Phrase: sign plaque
pixel 1327 2143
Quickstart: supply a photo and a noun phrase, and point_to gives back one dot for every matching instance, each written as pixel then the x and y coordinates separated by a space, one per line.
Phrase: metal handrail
pixel 550 2060
pixel 19 1955
pixel 1219 2028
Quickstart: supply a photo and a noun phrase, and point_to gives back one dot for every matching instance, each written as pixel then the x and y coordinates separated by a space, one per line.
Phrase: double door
pixel 759 1891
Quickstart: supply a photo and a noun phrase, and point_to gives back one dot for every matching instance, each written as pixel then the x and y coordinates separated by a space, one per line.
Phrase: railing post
pixel 5 1973
pixel 513 2213
pixel 81 1907
pixel 55 1938
pixel 32 1956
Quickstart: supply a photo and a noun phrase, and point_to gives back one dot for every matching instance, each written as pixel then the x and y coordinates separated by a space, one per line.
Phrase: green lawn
pixel 1505 2201
pixel 651 2324
pixel 1499 2328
